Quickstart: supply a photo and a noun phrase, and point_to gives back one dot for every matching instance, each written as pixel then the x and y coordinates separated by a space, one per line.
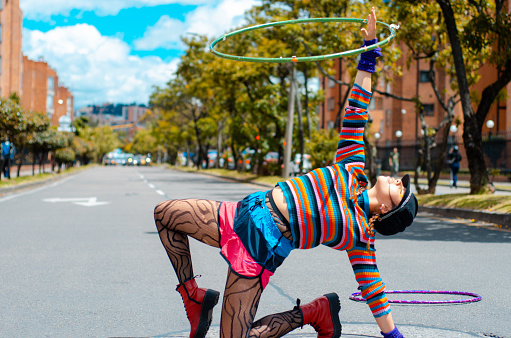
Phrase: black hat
pixel 401 216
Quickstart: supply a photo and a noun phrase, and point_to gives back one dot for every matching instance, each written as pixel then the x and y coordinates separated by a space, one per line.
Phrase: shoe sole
pixel 206 313
pixel 335 307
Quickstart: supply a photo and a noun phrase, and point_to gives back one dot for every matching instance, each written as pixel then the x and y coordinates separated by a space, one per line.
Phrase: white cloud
pixel 100 69
pixel 97 68
pixel 211 20
pixel 164 34
pixel 43 9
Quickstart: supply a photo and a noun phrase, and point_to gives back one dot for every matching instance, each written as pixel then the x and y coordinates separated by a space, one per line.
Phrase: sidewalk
pixel 26 170
pixel 443 187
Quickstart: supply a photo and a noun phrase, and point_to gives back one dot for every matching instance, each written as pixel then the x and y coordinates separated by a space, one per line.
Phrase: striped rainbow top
pixel 324 207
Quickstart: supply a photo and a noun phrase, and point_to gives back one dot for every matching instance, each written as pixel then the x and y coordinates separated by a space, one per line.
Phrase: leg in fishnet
pixel 241 299
pixel 178 219
pixel 276 325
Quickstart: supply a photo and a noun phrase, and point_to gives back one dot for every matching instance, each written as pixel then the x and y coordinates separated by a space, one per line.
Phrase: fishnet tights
pixel 178 219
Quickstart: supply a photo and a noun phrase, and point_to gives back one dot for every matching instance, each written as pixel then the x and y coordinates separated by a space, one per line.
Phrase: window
pixel 424 76
pixel 51 84
pixel 331 83
pixel 49 103
pixel 387 117
pixel 0 32
pixel 378 103
pixel 429 109
pixel 371 104
pixel 330 125
pixel 330 104
pixel 68 106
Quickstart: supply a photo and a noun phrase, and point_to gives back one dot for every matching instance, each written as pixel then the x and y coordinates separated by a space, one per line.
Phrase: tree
pixel 143 142
pixel 425 39
pixel 479 32
pixel 103 138
pixel 19 126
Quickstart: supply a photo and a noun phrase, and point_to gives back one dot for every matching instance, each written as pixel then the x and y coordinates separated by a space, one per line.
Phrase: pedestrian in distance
pixel 394 163
pixel 6 158
pixel 454 158
pixel 329 206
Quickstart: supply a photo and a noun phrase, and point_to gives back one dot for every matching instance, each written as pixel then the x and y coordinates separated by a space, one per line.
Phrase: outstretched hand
pixel 370 31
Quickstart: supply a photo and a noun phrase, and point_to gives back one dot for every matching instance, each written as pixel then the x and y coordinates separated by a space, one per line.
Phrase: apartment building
pixel 35 82
pixel 11 59
pixel 42 92
pixel 395 123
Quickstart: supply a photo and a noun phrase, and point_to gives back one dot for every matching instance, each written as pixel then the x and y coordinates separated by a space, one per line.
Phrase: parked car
pixel 306 167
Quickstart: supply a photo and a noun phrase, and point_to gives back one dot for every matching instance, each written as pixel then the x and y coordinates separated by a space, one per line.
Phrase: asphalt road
pixel 80 257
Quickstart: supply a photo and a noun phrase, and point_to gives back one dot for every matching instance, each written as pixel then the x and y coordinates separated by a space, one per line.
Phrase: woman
pixel 327 206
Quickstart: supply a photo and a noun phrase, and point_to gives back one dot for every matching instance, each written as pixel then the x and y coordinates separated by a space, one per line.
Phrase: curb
pixel 500 220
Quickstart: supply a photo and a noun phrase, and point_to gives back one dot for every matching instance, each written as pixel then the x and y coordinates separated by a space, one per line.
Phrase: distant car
pixel 129 159
pixel 272 157
pixel 145 160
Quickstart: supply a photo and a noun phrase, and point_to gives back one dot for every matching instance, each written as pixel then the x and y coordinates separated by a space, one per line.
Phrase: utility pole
pixel 288 147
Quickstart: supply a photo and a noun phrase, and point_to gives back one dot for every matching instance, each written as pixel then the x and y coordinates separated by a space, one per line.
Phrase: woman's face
pixel 389 192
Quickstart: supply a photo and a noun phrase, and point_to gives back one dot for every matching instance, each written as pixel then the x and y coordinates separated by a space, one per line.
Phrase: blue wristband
pixel 393 334
pixel 367 61
pixel 370 42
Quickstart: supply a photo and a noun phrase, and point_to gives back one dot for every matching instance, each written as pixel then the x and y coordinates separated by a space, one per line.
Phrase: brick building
pixel 42 92
pixel 35 82
pixel 396 122
pixel 11 59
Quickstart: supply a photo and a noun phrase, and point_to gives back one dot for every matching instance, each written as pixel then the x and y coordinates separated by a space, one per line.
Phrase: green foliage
pixel 65 155
pixel 103 139
pixel 322 147
pixel 12 119
pixel 144 142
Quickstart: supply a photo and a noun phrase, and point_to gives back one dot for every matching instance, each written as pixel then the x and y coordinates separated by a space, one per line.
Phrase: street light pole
pixel 490 124
pixel 377 136
pixel 399 134
pixel 288 146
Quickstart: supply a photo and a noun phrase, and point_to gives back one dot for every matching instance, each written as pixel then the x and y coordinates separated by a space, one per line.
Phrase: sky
pixel 117 50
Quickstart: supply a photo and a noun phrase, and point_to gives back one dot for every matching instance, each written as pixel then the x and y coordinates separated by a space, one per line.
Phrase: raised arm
pixel 366 66
pixel 350 148
pixel 364 262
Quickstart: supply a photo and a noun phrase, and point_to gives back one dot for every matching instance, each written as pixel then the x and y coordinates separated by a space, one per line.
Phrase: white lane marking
pixel 83 201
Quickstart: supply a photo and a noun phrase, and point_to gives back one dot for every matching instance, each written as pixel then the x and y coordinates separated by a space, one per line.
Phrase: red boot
pixel 199 305
pixel 323 314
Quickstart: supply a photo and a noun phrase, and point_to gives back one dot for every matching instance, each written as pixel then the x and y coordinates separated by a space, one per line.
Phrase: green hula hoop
pixel 390 27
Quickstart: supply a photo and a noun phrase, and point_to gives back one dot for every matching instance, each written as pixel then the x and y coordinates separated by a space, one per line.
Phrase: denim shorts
pixel 250 241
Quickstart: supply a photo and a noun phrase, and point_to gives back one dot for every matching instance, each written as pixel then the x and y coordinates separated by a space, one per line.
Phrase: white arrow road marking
pixel 86 202
pixel 92 202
